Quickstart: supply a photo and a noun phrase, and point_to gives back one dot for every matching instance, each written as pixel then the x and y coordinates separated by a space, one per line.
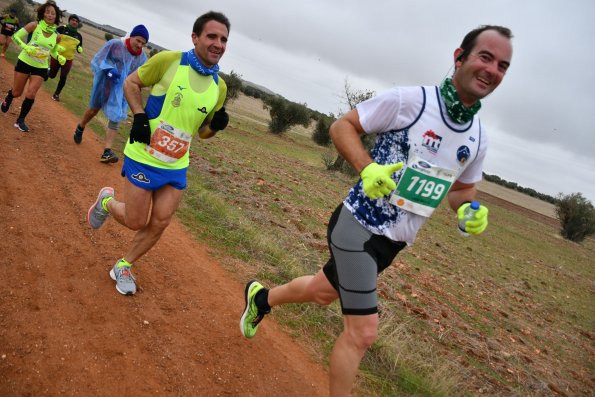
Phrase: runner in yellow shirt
pixel 9 25
pixel 33 62
pixel 187 97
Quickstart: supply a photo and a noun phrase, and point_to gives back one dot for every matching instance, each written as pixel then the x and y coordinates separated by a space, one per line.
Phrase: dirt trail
pixel 64 329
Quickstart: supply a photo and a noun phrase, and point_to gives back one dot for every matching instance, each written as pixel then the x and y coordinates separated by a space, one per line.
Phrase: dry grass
pixel 542 207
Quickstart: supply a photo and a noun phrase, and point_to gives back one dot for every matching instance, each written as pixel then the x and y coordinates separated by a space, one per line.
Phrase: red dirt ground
pixel 65 330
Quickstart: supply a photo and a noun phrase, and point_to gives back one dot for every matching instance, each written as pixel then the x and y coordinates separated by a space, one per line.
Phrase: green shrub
pixel 234 84
pixel 576 215
pixel 285 114
pixel 321 132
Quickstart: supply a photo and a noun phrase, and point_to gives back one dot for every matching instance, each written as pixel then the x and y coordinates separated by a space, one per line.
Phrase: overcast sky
pixel 541 120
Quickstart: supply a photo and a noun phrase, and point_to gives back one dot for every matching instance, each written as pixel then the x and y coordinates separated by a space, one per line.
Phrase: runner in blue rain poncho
pixel 111 65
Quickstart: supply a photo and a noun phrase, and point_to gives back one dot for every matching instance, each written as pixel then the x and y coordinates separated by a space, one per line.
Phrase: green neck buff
pixel 70 28
pixel 455 108
pixel 47 28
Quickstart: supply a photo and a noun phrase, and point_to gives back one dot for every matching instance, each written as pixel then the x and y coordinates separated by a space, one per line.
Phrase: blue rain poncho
pixel 107 94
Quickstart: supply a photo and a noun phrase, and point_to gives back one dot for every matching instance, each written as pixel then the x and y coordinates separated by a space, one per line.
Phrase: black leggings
pixel 64 70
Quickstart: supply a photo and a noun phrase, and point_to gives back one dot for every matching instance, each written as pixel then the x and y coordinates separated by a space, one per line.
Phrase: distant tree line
pixel 575 213
pixel 254 92
pixel 514 186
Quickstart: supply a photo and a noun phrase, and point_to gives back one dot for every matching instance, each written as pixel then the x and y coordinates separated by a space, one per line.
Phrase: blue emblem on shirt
pixel 463 154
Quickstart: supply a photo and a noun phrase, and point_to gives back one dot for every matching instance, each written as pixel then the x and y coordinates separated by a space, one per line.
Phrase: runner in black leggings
pixel 72 41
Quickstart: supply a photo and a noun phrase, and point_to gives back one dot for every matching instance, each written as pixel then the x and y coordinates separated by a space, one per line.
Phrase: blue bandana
pixel 201 69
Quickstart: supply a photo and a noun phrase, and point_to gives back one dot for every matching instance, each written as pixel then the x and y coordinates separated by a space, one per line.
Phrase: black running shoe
pixel 108 156
pixel 6 104
pixel 20 124
pixel 78 134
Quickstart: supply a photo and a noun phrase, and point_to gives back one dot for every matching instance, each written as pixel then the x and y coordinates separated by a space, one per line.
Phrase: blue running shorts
pixel 152 178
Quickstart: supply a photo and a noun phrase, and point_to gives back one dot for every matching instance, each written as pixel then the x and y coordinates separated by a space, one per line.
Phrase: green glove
pixel 61 60
pixel 376 179
pixel 56 51
pixel 79 49
pixel 31 50
pixel 478 223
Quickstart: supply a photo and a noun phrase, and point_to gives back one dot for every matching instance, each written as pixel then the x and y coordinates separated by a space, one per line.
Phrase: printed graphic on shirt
pixel 390 148
pixel 177 101
pixel 431 141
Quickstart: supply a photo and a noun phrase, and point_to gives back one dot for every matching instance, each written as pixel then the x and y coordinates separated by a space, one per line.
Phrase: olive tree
pixel 285 114
pixel 576 215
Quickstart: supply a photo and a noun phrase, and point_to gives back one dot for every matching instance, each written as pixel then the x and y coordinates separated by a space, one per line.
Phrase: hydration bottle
pixel 468 214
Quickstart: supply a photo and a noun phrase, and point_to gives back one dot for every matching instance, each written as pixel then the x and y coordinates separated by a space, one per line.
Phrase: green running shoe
pixel 251 316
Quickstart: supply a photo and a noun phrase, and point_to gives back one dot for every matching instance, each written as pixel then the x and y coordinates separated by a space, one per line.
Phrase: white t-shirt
pixel 413 122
